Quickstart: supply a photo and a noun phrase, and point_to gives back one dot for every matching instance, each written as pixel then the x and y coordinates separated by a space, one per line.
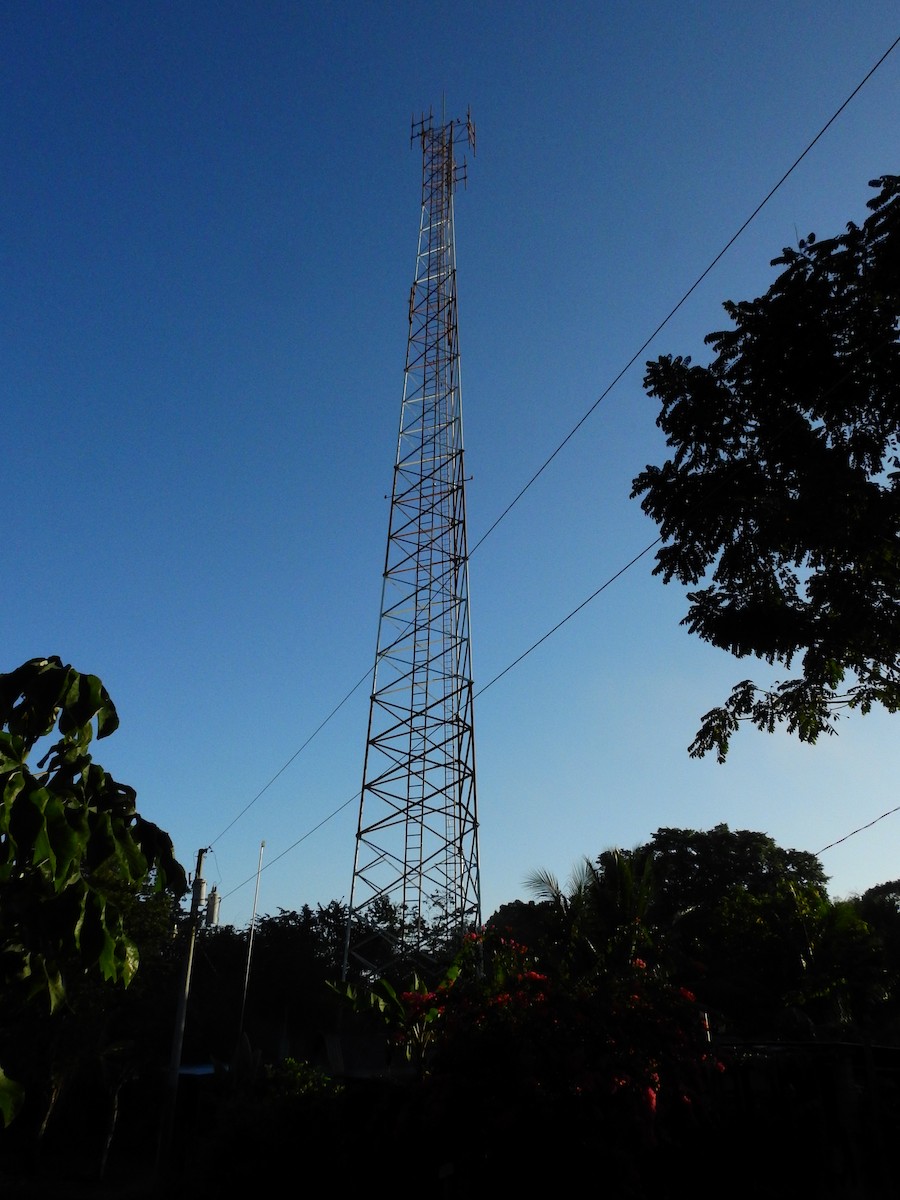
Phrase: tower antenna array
pixel 416 880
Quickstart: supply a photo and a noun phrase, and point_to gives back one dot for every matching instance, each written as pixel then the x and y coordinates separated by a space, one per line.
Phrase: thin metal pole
pixel 262 846
pixel 168 1126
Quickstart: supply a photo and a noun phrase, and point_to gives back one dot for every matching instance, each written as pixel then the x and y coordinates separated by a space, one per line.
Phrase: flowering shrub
pixel 620 1059
pixel 410 1016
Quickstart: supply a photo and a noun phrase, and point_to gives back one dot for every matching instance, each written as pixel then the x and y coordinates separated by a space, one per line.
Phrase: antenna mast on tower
pixel 416 862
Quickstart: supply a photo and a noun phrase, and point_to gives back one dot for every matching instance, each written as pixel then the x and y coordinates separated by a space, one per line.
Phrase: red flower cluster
pixel 419 1002
pixel 533 976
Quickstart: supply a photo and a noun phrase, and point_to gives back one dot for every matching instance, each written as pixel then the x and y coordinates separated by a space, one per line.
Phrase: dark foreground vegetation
pixel 695 1013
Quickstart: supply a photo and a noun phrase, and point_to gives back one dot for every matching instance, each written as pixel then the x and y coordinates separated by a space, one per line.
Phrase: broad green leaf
pixel 108 959
pixel 56 988
pixel 128 959
pixel 12 1097
pixel 68 846
pixel 12 786
pixel 12 752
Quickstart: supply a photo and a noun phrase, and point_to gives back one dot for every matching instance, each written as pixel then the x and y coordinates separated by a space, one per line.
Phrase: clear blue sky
pixel 210 214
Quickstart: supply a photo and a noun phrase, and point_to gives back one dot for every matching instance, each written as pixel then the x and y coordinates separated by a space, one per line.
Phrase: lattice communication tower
pixel 416 861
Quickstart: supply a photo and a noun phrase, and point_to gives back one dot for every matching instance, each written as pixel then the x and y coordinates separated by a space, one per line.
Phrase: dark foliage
pixel 75 855
pixel 525 1063
pixel 782 495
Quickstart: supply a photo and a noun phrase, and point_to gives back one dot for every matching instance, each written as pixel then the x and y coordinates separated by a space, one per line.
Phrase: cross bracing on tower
pixel 416 881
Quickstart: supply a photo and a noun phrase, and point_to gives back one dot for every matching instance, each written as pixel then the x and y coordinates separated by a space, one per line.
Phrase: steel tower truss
pixel 416 863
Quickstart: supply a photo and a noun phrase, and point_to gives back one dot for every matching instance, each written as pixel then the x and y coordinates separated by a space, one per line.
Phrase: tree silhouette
pixel 782 495
pixel 73 848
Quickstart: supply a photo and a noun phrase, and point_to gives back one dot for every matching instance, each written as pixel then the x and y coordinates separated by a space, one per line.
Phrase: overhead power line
pixel 281 770
pixel 854 832
pixel 278 857
pixel 641 349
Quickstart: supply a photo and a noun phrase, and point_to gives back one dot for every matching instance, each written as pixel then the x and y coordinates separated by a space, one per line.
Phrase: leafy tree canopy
pixel 697 869
pixel 748 927
pixel 782 495
pixel 71 840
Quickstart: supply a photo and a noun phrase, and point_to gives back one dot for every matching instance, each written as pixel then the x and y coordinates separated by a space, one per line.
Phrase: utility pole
pixel 171 1098
pixel 416 860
